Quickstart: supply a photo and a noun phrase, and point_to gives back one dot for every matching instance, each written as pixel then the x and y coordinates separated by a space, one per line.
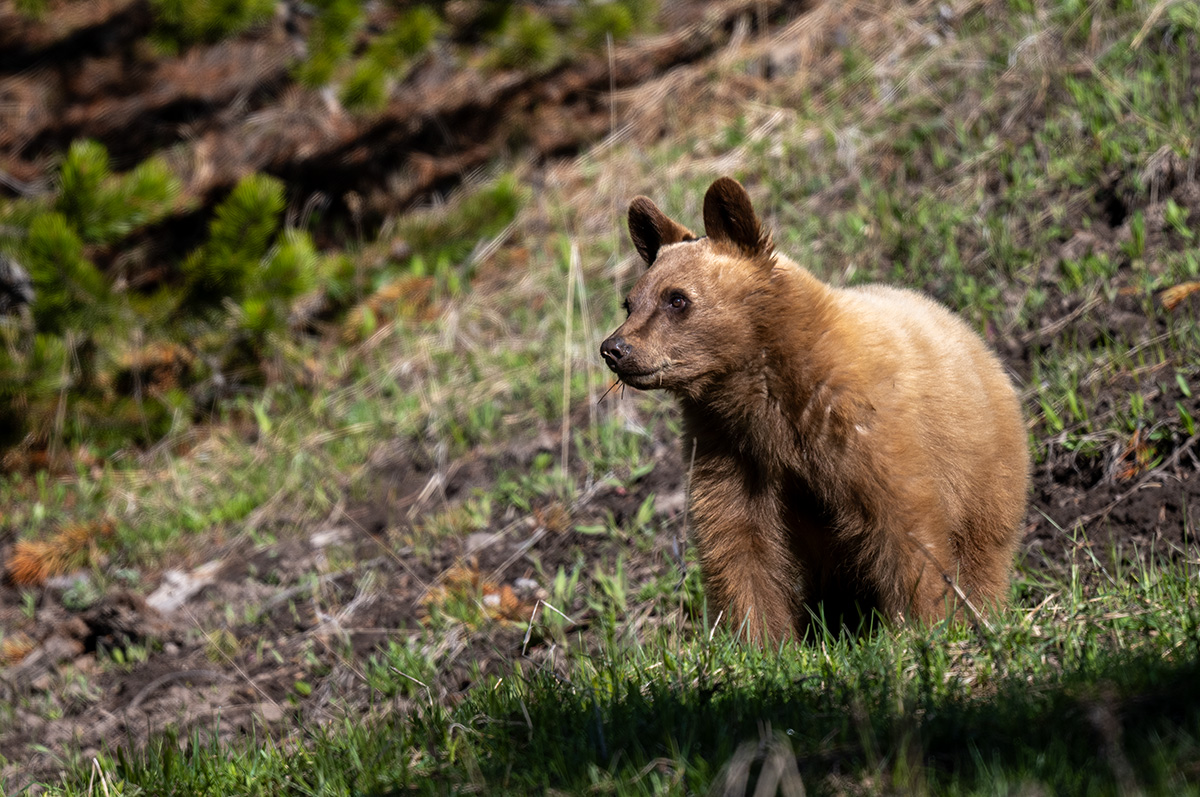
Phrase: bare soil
pixel 284 613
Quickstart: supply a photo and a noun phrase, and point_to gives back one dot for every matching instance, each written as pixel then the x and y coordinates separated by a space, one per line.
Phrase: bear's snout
pixel 614 350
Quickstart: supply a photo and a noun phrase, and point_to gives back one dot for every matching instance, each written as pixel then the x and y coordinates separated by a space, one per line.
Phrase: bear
pixel 854 452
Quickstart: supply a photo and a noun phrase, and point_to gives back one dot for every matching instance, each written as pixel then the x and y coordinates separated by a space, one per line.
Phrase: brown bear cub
pixel 855 449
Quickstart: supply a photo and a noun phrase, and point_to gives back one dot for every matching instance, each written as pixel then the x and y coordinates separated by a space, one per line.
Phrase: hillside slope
pixel 415 530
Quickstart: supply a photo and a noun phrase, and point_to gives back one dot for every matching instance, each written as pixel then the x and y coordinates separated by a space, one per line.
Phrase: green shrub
pixel 184 22
pixel 34 370
pixel 331 41
pixel 388 57
pixel 102 207
pixel 70 293
pixel 527 40
pixel 366 88
pixel 57 358
pixel 598 21
pixel 90 364
pixel 240 234
pixel 408 38
pixel 289 270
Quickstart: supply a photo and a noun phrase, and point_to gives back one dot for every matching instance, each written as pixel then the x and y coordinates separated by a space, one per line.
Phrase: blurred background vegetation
pixel 101 355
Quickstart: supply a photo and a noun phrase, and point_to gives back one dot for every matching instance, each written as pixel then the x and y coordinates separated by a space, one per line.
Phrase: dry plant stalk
pixel 77 544
pixel 1172 297
pixel 14 648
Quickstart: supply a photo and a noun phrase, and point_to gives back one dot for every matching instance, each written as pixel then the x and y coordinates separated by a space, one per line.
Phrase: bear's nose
pixel 613 350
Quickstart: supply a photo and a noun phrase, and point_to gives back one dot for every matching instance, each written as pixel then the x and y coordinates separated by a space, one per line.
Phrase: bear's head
pixel 693 315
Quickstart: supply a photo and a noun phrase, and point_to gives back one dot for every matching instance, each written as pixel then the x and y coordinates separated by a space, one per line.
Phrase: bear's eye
pixel 677 301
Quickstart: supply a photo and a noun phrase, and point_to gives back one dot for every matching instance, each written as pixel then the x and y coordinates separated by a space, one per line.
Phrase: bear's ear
pixel 729 218
pixel 651 230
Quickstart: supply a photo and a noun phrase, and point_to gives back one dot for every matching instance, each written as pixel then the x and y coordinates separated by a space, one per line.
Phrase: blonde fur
pixel 856 449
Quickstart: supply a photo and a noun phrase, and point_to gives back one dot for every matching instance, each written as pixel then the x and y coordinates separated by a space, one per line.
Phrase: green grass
pixel 1096 690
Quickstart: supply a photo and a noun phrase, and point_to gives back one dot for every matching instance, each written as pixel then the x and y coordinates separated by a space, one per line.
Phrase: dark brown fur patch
pixel 651 229
pixel 730 220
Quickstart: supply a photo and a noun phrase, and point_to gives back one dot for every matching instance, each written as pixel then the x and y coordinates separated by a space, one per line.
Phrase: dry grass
pixel 75 546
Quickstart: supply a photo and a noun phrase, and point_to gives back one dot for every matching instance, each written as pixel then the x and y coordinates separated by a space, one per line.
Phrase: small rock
pixel 480 540
pixel 529 591
pixel 670 504
pixel 329 536
pixel 178 587
pixel 65 582
pixel 16 286
pixel 270 712
pixel 401 250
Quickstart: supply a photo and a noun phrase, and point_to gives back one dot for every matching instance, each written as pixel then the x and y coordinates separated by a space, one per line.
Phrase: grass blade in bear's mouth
pixel 625 376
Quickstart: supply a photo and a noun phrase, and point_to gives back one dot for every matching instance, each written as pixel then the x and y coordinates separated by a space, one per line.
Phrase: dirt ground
pixel 280 632
pixel 312 621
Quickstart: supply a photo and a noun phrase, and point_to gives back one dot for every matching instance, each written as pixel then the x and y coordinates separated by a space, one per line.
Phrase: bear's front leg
pixel 751 578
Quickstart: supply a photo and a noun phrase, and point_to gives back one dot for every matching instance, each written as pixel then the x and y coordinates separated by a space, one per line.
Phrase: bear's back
pixel 919 351
pixel 945 410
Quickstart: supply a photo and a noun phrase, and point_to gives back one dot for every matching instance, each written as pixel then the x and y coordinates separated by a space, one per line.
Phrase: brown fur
pixel 856 449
